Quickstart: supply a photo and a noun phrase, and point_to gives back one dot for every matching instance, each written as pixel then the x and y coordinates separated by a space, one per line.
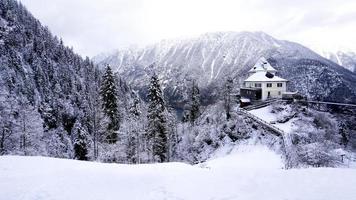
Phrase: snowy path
pixel 251 173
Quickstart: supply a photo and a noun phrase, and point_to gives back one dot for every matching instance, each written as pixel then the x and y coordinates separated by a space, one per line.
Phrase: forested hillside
pixel 54 103
pixel 48 92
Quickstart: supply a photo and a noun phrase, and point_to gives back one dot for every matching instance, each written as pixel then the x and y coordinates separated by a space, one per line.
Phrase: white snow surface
pixel 261 76
pixel 248 172
pixel 266 114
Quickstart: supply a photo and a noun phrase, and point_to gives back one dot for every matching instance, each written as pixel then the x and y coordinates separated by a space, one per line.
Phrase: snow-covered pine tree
pixel 172 136
pixel 134 106
pixel 134 131
pixel 227 92
pixel 343 133
pixel 80 138
pixel 156 130
pixel 108 94
pixel 195 103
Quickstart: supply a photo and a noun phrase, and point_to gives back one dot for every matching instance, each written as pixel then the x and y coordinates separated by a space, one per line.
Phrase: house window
pixel 279 92
pixel 279 84
pixel 258 85
pixel 269 84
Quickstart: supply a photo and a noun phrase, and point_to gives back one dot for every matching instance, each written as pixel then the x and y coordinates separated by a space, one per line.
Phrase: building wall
pixel 273 90
pixel 251 84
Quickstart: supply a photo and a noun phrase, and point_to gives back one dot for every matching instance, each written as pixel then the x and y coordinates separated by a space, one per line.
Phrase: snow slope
pixel 249 173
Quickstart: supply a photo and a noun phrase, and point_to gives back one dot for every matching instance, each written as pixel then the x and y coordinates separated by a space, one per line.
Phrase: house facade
pixel 263 83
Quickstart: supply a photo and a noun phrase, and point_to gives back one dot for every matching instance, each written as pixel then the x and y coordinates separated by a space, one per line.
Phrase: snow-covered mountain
pixel 211 58
pixel 346 59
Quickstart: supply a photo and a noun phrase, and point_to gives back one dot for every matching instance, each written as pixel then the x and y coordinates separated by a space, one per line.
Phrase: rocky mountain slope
pixel 211 58
pixel 346 59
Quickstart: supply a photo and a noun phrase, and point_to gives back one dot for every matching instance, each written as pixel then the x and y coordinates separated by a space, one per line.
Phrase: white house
pixel 263 83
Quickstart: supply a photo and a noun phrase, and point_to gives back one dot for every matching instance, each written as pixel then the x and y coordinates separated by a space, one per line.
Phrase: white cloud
pixel 93 26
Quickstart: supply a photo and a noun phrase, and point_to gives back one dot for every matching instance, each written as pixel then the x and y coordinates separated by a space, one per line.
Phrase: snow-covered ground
pixel 266 114
pixel 249 173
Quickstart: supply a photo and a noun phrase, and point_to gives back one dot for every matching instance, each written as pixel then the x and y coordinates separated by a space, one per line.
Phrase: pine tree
pixel 157 130
pixel 80 142
pixel 227 97
pixel 134 131
pixel 195 103
pixel 134 106
pixel 108 94
pixel 343 132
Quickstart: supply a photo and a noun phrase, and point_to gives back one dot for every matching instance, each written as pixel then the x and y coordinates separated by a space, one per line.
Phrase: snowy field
pixel 248 173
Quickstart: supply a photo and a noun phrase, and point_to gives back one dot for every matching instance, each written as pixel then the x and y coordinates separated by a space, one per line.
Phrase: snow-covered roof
pixel 245 100
pixel 262 65
pixel 289 93
pixel 261 77
pixel 256 68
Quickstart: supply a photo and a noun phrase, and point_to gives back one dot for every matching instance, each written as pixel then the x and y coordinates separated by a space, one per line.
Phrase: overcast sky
pixel 96 26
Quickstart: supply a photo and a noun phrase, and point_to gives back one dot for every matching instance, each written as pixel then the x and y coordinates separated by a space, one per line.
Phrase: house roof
pixel 256 68
pixel 260 76
pixel 262 65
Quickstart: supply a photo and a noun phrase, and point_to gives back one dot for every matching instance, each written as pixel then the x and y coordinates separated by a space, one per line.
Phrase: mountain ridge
pixel 346 59
pixel 211 57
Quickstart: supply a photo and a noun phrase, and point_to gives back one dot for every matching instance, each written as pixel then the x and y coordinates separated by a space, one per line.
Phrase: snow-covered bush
pixel 59 144
pixel 112 153
pixel 318 155
pixel 213 131
pixel 315 138
pixel 284 112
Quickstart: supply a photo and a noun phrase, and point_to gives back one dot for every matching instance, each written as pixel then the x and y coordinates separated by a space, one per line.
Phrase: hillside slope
pixel 47 92
pixel 346 59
